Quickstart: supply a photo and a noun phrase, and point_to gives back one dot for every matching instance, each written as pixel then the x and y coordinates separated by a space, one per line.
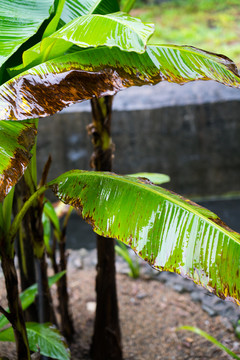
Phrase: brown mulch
pixel 150 313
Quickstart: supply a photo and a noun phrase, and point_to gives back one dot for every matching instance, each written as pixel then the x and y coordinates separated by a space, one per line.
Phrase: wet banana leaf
pixel 75 8
pixel 53 24
pixel 118 29
pixel 16 141
pixel 44 338
pixel 166 230
pixel 19 20
pixel 51 86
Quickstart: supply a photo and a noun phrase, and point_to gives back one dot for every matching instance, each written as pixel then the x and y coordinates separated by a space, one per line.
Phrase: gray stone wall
pixel 198 146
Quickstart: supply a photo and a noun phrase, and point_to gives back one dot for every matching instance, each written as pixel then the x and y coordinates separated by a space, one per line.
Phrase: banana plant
pixel 166 230
pixel 72 63
pixel 49 218
pixel 169 232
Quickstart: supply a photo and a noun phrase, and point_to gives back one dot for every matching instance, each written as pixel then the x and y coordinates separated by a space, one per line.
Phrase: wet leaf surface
pixel 19 20
pixel 75 8
pixel 44 338
pixel 16 142
pixel 169 232
pixel 118 29
pixel 51 86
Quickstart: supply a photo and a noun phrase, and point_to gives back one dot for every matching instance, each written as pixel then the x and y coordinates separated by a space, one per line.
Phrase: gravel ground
pixel 150 312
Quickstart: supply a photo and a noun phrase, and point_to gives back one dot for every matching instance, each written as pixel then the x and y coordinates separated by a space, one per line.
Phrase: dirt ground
pixel 150 314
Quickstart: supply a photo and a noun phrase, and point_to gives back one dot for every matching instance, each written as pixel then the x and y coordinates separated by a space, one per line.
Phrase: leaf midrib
pixel 149 47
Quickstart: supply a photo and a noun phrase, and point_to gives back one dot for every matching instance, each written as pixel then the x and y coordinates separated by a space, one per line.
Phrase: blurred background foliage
pixel 213 25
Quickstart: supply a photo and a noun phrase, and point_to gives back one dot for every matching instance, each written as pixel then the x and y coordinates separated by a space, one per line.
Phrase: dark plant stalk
pixel 106 342
pixel 67 327
pixel 16 312
pixel 59 237
pixel 25 247
pixel 129 4
pixel 33 222
pixel 46 310
pixel 6 314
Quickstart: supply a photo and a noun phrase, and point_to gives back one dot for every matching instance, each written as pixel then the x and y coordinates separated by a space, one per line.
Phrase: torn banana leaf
pixel 51 86
pixel 16 142
pixel 169 232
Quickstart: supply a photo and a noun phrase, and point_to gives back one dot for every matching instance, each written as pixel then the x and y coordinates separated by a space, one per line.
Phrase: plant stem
pixel 67 327
pixel 128 6
pixel 16 313
pixel 17 220
pixel 35 231
pixel 46 312
pixel 6 314
pixel 106 342
pixel 25 246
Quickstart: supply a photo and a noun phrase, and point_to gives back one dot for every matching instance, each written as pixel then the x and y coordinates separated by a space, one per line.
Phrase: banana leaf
pixel 53 24
pixel 16 142
pixel 169 232
pixel 75 8
pixel 118 29
pixel 20 20
pixel 51 86
pixel 43 338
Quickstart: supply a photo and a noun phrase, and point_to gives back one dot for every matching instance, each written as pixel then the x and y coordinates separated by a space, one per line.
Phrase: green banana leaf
pixel 76 8
pixel 169 232
pixel 53 24
pixel 118 29
pixel 49 216
pixel 50 213
pixel 16 142
pixel 43 338
pixel 20 20
pixel 53 85
pixel 46 232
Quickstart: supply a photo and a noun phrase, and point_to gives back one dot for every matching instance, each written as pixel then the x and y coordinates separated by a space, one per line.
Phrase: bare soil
pixel 150 313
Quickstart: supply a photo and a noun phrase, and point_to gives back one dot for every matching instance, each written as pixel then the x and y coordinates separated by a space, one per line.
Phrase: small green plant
pixel 134 267
pixel 211 339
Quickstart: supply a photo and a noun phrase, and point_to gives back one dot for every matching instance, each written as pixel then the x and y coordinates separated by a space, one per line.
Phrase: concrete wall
pixel 198 145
